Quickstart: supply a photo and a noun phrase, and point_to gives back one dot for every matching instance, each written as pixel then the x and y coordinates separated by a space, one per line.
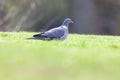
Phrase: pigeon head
pixel 67 21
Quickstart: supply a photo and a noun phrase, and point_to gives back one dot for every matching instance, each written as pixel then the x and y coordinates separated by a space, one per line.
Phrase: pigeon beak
pixel 72 21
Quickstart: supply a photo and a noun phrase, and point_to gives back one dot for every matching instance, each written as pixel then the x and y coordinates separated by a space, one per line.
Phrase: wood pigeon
pixel 59 33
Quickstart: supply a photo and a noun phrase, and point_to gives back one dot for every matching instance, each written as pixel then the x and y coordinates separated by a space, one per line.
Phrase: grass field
pixel 79 57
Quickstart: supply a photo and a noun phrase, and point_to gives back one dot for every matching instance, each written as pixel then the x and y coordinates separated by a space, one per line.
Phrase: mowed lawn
pixel 79 57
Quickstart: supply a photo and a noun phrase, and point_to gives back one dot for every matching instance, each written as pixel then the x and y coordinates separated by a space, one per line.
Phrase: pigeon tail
pixel 38 36
pixel 42 37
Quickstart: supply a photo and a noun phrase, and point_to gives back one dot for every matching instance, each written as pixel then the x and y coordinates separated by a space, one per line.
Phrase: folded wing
pixel 55 33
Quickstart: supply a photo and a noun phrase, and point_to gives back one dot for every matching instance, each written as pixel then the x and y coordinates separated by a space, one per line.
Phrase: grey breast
pixel 65 34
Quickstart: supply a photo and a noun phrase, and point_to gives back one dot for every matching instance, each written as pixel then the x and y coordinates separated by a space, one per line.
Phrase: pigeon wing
pixel 55 33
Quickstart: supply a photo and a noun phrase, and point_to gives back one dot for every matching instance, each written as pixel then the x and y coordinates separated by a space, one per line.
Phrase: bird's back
pixel 55 33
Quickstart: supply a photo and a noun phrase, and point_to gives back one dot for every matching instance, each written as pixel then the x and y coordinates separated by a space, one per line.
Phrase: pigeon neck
pixel 65 24
pixel 64 27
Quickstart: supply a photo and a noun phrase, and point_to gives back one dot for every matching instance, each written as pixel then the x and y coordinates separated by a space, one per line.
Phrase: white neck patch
pixel 65 27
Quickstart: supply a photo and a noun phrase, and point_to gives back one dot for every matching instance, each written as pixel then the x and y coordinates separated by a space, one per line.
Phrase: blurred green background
pixel 89 16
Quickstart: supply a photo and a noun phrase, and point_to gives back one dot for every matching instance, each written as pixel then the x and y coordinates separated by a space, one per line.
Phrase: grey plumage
pixel 59 33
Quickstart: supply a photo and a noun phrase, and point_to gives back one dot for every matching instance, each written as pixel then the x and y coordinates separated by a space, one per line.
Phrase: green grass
pixel 79 57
